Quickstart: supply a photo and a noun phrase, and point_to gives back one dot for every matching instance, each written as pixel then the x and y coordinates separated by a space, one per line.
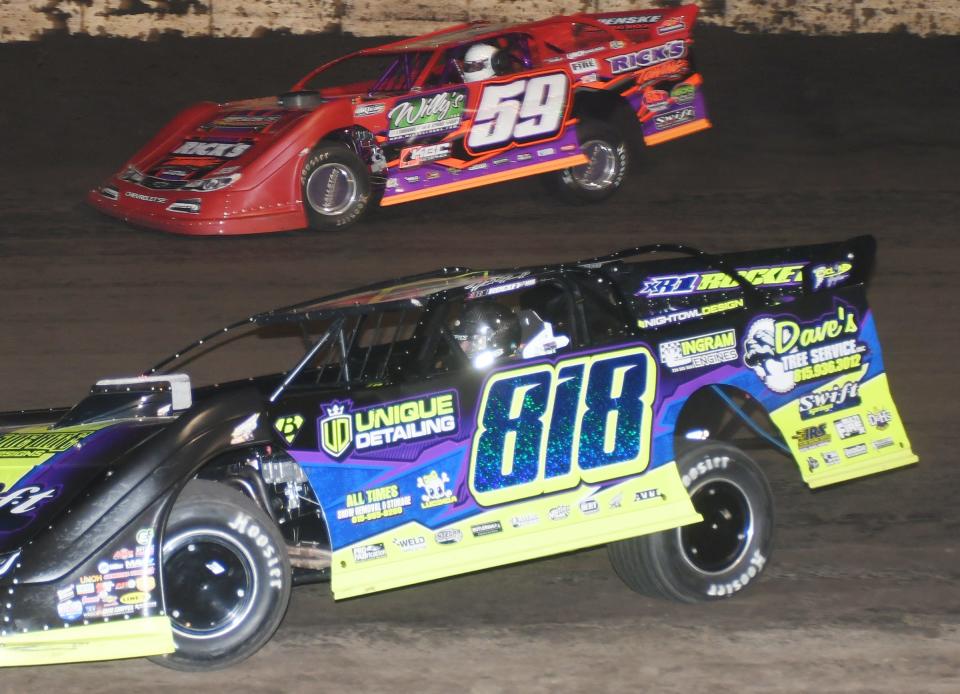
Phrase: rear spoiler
pixel 646 25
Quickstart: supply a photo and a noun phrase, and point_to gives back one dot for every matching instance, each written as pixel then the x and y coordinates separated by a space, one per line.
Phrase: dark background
pixel 815 139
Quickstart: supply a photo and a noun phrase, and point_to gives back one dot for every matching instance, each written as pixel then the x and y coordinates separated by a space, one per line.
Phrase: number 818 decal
pixel 520 111
pixel 545 428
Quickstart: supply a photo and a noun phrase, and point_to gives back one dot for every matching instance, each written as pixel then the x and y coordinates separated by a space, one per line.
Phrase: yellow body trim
pixel 129 638
pixel 619 514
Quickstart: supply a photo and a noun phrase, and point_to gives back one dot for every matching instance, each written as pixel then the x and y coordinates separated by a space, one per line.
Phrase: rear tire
pixel 226 578
pixel 335 187
pixel 603 175
pixel 717 557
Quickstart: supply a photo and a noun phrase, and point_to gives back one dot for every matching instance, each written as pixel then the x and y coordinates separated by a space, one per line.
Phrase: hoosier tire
pixel 335 187
pixel 226 578
pixel 603 175
pixel 717 557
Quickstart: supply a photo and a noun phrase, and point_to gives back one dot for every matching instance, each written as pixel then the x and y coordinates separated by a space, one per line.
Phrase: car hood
pixel 223 142
pixel 43 469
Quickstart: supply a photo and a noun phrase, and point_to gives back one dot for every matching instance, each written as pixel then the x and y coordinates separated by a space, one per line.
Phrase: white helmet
pixel 478 62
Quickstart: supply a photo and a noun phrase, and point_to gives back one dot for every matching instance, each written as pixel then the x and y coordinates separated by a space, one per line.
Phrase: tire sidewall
pixel 238 521
pixel 591 131
pixel 336 154
pixel 712 463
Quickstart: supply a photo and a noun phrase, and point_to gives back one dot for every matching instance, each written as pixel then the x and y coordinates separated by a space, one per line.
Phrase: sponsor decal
pixel 488 528
pixel 646 495
pixel 631 20
pixel 369 428
pixel 812 463
pixel 615 45
pixel 391 183
pixel 546 152
pixel 123 554
pixel 220 150
pixel 478 167
pixel 411 544
pixel 592 77
pixel 144 536
pixel 66 594
pixel 711 281
pixel 369 552
pixel 144 198
pixel 501 161
pixel 672 119
pixel 524 520
pixel 435 492
pixel 524 157
pixel 589 506
pixel 415 156
pixel 671 25
pixel 559 512
pixel 448 536
pixel 433 175
pixel 784 353
pixel 426 115
pixel 586 51
pixel 671 68
pixel 374 504
pixel 683 93
pixel 830 457
pixel 883 443
pixel 854 451
pixel 616 501
pixel 581 67
pixel 879 419
pixel 829 276
pixel 288 427
pixel 25 499
pixel 710 349
pixel 134 598
pixel 70 610
pixel 656 100
pixel 812 437
pixel 827 400
pixel 365 110
pixel 671 50
pixel 689 314
pixel 848 427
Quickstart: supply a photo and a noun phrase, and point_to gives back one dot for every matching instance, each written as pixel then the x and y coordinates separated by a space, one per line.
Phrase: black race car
pixel 436 425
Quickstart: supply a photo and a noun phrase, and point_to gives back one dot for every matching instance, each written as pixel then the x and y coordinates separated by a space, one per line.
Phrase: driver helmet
pixel 478 62
pixel 486 332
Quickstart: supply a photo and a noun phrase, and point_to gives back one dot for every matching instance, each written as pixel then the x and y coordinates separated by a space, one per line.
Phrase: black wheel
pixel 226 577
pixel 335 185
pixel 602 176
pixel 717 557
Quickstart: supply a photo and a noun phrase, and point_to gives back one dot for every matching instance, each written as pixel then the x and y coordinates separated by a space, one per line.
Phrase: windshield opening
pixel 379 73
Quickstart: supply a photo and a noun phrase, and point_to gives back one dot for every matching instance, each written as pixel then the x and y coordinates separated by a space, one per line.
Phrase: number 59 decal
pixel 519 111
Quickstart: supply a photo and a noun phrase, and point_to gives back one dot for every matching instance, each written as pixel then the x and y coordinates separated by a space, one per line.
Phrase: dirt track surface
pixel 815 139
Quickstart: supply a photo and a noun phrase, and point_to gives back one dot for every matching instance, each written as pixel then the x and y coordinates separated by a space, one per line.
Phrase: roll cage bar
pixel 319 309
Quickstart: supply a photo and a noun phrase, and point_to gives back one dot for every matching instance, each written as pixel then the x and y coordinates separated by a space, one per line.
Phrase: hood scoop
pixel 302 100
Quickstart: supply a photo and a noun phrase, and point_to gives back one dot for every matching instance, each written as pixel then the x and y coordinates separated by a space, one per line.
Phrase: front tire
pixel 602 176
pixel 335 187
pixel 226 578
pixel 717 557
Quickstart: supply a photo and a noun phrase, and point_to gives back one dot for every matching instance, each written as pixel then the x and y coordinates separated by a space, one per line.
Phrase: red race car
pixel 459 108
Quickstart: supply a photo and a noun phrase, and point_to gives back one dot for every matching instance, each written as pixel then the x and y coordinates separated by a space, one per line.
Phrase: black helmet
pixel 487 331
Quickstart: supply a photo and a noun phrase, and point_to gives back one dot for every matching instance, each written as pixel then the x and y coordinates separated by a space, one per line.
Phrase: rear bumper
pixel 221 213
